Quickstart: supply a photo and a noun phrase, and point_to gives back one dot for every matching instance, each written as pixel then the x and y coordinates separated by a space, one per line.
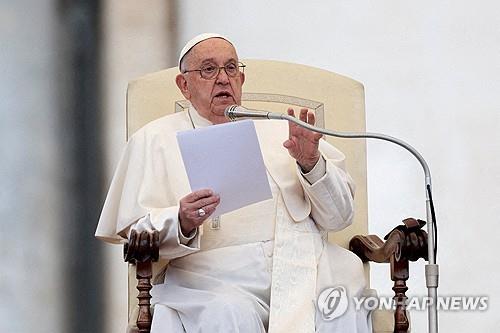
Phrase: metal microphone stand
pixel 431 268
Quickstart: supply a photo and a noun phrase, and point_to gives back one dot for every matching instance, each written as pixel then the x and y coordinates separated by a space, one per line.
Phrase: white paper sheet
pixel 227 159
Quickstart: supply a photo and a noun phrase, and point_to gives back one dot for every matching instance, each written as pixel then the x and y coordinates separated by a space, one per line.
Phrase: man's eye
pixel 209 69
pixel 231 67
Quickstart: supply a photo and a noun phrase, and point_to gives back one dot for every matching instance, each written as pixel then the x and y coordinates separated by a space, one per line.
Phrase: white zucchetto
pixel 198 39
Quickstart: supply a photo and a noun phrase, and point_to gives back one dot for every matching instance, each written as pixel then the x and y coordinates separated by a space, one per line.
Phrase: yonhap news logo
pixel 443 303
pixel 333 303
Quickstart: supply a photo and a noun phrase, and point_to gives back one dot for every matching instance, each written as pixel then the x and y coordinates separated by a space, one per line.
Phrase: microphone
pixel 237 112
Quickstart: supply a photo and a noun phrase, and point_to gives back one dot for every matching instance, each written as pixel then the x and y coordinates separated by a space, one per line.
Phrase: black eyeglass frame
pixel 241 66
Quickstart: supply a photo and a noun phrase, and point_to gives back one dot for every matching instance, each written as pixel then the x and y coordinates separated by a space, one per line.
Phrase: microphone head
pixel 229 112
pixel 238 112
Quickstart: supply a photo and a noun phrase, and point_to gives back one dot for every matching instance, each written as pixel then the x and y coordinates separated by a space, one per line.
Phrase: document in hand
pixel 227 159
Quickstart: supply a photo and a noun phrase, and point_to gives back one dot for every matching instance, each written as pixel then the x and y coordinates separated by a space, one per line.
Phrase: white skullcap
pixel 198 39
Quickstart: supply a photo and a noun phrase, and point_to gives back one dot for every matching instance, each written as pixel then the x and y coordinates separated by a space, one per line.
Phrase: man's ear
pixel 242 78
pixel 181 82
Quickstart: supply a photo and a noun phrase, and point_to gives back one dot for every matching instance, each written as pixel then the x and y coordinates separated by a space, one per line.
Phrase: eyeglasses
pixel 211 71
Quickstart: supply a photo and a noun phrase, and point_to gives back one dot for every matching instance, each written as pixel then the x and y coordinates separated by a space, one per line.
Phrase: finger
pixel 206 201
pixel 209 210
pixel 291 125
pixel 303 115
pixel 199 219
pixel 194 215
pixel 288 144
pixel 311 118
pixel 317 136
pixel 197 195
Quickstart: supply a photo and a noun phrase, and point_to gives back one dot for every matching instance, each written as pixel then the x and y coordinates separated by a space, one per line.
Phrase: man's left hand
pixel 302 144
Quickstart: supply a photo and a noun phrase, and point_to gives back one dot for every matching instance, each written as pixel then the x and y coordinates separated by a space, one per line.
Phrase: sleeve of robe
pixel 139 198
pixel 332 196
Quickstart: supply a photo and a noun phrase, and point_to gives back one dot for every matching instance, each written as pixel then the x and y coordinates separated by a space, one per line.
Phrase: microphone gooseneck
pixel 237 112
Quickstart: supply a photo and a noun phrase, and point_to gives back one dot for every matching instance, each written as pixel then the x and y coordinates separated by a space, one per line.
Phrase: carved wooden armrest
pixel 142 250
pixel 407 242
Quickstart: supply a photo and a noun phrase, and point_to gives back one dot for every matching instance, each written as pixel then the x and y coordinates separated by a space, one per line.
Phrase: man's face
pixel 211 97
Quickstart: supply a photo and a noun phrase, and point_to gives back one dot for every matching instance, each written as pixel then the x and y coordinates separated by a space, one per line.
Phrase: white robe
pixel 145 191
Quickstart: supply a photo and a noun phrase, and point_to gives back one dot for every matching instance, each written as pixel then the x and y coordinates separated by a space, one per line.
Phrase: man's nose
pixel 222 77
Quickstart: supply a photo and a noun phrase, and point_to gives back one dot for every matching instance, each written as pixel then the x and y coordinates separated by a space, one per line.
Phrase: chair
pixel 271 85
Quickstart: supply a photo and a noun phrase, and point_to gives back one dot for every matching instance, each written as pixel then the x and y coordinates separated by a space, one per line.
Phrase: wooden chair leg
pixel 399 274
pixel 144 275
pixel 142 250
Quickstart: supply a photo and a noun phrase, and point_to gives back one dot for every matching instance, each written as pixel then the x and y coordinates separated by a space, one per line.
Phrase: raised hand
pixel 302 144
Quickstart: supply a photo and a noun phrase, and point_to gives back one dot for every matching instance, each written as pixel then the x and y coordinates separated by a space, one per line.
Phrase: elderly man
pixel 259 268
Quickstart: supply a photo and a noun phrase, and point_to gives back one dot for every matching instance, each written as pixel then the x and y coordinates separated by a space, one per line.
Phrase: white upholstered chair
pixel 271 85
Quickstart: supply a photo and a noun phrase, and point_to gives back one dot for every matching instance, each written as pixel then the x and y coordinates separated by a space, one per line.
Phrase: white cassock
pixel 265 265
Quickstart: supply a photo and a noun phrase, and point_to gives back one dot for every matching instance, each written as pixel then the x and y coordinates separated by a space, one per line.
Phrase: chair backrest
pixel 273 85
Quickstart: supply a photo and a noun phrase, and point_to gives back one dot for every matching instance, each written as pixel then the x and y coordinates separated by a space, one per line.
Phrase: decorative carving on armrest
pixel 407 242
pixel 142 247
pixel 142 250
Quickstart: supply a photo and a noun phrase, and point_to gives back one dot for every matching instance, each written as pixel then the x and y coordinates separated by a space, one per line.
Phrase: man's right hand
pixel 190 205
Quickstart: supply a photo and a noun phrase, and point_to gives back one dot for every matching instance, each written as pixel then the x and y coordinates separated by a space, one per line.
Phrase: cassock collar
pixel 197 120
